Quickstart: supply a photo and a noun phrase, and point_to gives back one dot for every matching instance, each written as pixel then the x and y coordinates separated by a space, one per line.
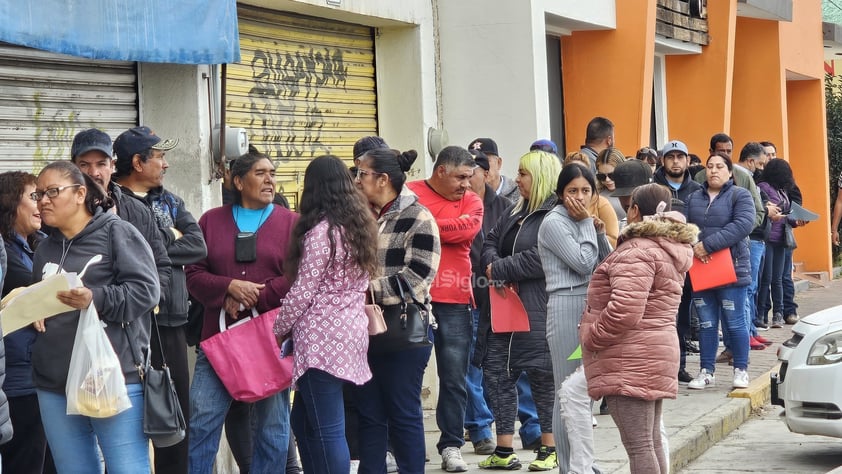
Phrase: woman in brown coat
pixel 630 347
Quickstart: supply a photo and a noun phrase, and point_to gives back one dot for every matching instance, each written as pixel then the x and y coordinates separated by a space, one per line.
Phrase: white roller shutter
pixel 46 98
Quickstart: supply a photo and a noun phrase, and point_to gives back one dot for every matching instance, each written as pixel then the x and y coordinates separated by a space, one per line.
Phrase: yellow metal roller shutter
pixel 46 98
pixel 305 87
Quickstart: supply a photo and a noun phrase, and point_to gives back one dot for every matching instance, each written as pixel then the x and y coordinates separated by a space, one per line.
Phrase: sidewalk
pixel 695 420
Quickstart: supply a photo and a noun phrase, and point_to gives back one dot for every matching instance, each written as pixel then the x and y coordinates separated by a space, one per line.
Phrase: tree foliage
pixel 833 100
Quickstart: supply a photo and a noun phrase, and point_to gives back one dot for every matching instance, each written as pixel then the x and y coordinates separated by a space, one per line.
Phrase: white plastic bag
pixel 95 386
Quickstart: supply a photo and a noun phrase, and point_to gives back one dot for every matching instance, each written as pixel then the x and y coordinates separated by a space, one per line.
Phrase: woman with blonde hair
pixel 510 256
pixel 606 162
pixel 576 156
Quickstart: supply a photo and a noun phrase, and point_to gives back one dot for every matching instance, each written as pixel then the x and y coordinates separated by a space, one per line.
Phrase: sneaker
pixel 484 446
pixel 791 319
pixel 777 320
pixel 594 423
pixel 763 340
pixel 545 461
pixel 684 377
pixel 451 460
pixel 391 464
pixel 760 325
pixel 755 345
pixel 724 356
pixel 495 461
pixel 740 379
pixel 703 380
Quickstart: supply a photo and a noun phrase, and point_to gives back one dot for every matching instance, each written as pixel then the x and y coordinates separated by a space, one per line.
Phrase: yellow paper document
pixel 24 306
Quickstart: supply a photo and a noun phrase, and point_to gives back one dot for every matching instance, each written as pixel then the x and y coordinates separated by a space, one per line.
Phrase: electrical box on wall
pixel 236 143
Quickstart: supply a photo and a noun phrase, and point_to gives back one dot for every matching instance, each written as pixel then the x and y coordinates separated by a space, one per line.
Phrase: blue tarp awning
pixel 160 31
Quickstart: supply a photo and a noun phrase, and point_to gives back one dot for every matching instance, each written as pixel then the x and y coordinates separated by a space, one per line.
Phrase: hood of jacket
pixel 671 236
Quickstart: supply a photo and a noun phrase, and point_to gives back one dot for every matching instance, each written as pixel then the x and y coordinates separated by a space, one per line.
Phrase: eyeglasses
pixel 604 176
pixel 50 192
pixel 361 172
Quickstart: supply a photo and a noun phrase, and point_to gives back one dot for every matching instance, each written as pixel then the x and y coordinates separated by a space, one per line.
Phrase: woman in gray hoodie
pixel 118 274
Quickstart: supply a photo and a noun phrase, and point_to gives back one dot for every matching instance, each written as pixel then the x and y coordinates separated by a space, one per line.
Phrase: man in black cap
pixel 499 183
pixel 141 165
pixel 91 153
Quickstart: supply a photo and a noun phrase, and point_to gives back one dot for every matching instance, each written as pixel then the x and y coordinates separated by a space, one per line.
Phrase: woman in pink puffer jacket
pixel 630 347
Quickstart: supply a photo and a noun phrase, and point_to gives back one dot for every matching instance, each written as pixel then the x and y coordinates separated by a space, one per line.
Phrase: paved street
pixel 764 444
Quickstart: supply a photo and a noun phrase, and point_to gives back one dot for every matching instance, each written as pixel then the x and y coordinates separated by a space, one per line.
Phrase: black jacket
pixel 5 421
pixel 169 212
pixel 528 350
pixel 18 345
pixel 136 214
pixel 684 191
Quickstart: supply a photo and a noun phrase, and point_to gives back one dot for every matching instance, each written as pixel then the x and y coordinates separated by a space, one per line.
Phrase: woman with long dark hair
pixel 118 277
pixel 777 182
pixel 332 258
pixel 570 244
pixel 408 248
pixel 20 224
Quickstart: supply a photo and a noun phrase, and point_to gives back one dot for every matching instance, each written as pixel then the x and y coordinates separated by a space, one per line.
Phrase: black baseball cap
pixel 481 159
pixel 629 175
pixel 139 139
pixel 89 140
pixel 485 145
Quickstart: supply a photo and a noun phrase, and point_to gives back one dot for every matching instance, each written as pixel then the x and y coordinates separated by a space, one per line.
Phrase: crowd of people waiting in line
pixel 595 243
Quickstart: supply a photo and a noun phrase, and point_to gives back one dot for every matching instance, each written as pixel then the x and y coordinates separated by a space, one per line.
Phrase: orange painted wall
pixel 758 104
pixel 699 86
pixel 808 157
pixel 609 74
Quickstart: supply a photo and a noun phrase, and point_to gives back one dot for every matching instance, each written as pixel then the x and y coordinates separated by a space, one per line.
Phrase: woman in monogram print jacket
pixel 408 248
pixel 332 258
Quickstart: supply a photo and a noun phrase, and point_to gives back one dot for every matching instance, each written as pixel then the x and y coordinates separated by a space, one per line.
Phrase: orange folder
pixel 507 311
pixel 719 271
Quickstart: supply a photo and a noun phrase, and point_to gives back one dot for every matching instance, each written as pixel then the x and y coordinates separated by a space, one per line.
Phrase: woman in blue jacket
pixel 725 215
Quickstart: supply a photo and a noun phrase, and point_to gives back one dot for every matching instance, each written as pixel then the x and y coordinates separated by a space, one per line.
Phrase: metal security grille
pixel 305 87
pixel 46 98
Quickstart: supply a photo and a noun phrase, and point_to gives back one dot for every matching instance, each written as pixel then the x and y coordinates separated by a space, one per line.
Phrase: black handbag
pixel 163 420
pixel 407 323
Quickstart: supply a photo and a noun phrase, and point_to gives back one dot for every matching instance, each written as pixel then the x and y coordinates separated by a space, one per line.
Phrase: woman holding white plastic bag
pixel 117 273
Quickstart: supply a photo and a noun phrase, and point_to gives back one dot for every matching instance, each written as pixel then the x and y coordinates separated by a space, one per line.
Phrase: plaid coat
pixel 408 244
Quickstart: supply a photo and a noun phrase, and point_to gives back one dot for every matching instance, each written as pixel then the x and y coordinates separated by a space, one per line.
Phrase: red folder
pixel 507 311
pixel 719 271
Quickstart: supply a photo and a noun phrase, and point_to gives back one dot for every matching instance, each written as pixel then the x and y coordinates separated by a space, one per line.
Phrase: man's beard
pixel 673 174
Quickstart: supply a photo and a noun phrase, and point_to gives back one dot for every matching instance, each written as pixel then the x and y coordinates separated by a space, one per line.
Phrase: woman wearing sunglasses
pixel 606 162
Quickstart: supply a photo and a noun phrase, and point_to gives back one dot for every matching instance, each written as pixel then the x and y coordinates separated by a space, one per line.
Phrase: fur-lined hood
pixel 677 231
pixel 673 237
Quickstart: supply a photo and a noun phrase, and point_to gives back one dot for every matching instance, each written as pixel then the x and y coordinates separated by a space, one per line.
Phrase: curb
pixel 692 441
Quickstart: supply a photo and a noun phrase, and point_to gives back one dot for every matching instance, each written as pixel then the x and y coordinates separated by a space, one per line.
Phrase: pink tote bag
pixel 247 358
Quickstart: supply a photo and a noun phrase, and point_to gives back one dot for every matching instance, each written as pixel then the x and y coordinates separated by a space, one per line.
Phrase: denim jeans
pixel 771 293
pixel 73 439
pixel 789 287
pixel 478 417
pixel 391 401
pixel 209 404
pixel 758 251
pixel 318 420
pixel 527 412
pixel 452 342
pixel 729 304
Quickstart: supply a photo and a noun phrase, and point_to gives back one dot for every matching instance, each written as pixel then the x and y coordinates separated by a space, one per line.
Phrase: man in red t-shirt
pixel 458 213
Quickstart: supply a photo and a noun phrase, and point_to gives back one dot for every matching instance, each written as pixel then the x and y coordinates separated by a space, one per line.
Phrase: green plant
pixel 833 99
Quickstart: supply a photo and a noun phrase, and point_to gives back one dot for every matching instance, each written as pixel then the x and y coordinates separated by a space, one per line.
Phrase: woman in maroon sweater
pixel 247 245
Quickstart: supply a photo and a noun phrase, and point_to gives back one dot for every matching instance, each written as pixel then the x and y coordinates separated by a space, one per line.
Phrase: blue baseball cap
pixel 139 139
pixel 544 145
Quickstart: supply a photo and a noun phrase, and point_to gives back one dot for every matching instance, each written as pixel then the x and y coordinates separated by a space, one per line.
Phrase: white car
pixel 809 384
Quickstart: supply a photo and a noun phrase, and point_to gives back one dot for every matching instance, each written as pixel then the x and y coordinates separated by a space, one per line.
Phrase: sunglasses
pixel 604 176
